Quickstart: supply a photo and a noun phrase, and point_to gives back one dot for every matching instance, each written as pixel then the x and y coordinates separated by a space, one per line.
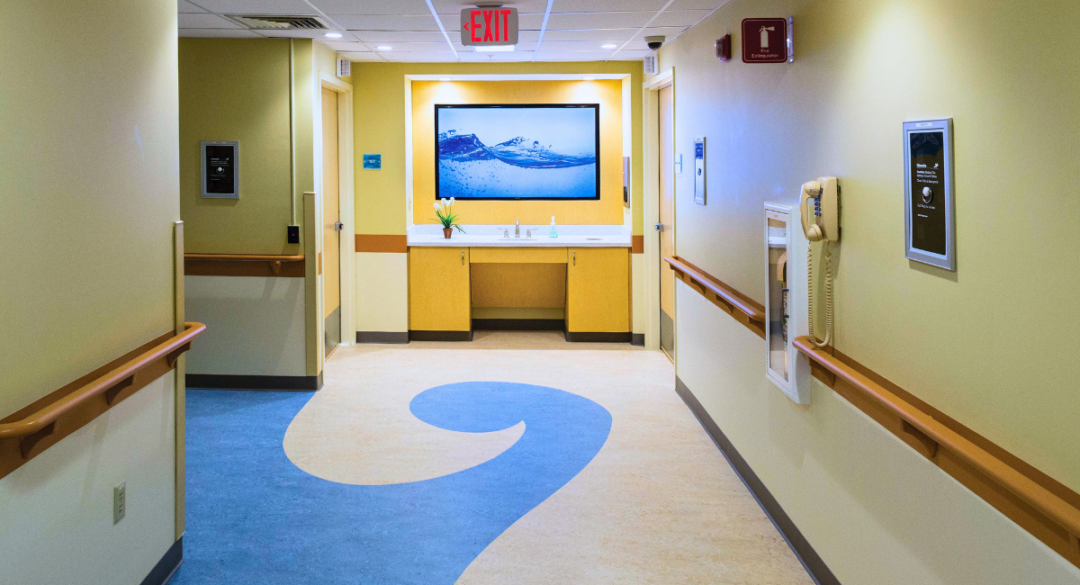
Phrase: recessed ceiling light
pixel 609 46
pixel 383 48
pixel 494 49
pixel 333 35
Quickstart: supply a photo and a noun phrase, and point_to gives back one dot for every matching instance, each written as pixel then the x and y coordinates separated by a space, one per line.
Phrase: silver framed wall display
pixel 699 171
pixel 220 169
pixel 929 208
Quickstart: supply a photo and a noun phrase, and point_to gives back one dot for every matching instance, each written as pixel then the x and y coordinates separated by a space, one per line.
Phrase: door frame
pixel 651 210
pixel 346 206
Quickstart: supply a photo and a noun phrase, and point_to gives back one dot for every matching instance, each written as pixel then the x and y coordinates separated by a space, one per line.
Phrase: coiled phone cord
pixel 822 344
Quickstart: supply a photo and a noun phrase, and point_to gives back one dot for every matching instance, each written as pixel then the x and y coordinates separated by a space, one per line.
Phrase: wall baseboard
pixel 164 570
pixel 637 339
pixel 231 382
pixel 598 337
pixel 519 324
pixel 798 543
pixel 386 337
pixel 440 335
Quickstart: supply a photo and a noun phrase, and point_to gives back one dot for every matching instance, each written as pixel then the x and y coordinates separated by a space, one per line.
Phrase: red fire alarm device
pixel 767 40
pixel 723 48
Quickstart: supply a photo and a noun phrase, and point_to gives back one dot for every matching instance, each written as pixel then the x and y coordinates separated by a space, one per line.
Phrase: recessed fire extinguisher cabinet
pixel 785 303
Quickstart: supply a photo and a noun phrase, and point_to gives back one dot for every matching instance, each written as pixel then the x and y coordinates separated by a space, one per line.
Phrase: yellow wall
pixel 986 344
pixel 88 197
pixel 379 121
pixel 608 93
pixel 238 89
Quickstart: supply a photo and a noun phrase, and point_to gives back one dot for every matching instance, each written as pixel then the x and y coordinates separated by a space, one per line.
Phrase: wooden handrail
pixel 110 384
pixel 245 257
pixel 1018 484
pixel 744 304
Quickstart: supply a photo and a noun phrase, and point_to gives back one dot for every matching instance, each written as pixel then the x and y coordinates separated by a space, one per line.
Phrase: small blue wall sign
pixel 372 161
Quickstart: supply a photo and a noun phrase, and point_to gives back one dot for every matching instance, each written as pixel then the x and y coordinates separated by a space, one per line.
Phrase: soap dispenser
pixel 553 233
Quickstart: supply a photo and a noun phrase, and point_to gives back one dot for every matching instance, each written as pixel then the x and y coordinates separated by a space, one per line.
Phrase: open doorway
pixel 331 220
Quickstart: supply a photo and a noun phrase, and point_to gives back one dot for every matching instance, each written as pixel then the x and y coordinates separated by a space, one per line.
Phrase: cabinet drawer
pixel 518 255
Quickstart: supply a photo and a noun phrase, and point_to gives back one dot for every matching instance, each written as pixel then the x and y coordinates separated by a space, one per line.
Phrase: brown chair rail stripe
pixel 382 243
pixel 244 265
pixel 1042 506
pixel 33 429
pixel 637 244
pixel 736 304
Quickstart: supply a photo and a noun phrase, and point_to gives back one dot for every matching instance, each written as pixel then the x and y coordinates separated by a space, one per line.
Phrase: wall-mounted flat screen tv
pixel 521 151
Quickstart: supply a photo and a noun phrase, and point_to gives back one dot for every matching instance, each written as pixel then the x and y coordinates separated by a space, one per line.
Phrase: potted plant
pixel 446 217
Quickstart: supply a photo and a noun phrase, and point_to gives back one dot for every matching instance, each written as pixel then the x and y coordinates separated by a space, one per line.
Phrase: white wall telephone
pixel 819 208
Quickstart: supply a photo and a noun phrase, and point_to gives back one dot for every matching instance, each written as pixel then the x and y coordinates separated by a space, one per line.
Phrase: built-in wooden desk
pixel 590 280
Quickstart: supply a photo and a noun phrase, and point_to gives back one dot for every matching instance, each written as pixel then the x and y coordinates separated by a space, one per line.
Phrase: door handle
pixel 338 226
pixel 659 227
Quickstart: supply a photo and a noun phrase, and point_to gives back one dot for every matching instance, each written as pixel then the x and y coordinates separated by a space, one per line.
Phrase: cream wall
pixel 259 325
pixel 88 196
pixel 978 344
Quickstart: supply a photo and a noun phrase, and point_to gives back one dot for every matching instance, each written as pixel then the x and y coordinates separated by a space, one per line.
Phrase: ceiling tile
pixel 615 35
pixel 598 21
pixel 224 33
pixel 347 47
pixel 474 57
pixel 631 55
pixel 297 7
pixel 559 46
pixel 697 4
pixel 296 34
pixel 568 6
pixel 399 36
pixel 395 7
pixel 419 57
pixel 386 22
pixel 523 6
pixel 205 21
pixel 416 47
pixel 573 55
pixel 185 7
pixel 680 17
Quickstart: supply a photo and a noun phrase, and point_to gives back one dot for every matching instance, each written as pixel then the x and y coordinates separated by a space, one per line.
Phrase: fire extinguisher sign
pixel 767 40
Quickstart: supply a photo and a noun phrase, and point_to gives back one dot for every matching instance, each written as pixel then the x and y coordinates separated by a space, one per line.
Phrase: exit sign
pixel 489 26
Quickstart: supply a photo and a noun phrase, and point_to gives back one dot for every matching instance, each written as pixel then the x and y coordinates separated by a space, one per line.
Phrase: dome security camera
pixel 654 42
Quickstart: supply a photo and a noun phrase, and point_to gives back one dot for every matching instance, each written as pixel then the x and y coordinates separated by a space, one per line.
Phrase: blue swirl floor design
pixel 255 518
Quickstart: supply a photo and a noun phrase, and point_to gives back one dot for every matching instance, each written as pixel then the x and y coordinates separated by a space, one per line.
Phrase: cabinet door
pixel 439 289
pixel 598 290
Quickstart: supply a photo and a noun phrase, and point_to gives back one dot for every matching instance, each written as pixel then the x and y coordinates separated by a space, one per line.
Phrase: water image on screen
pixel 517 152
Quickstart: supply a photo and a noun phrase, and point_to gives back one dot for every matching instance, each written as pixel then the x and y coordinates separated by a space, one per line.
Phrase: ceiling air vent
pixel 275 22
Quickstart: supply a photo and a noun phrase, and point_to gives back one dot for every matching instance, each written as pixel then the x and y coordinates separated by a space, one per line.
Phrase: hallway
pixel 412 465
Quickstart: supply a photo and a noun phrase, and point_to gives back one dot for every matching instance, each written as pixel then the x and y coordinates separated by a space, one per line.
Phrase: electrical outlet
pixel 119 502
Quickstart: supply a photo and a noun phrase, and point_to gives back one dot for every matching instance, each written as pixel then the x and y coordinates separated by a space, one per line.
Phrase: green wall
pixel 238 89
pixel 984 344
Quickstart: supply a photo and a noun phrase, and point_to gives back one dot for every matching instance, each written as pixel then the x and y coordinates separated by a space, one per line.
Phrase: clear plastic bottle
pixel 553 233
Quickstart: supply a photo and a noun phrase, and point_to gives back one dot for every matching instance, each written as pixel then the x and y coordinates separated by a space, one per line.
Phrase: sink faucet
pixel 506 233
pixel 517 228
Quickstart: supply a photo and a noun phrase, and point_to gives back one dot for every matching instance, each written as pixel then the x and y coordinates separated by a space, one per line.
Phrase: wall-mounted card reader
pixel 928 193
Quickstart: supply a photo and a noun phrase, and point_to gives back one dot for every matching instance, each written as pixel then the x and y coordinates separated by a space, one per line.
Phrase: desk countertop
pixel 467 241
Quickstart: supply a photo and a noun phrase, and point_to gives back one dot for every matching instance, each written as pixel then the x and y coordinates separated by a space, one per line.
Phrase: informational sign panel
pixel 220 163
pixel 929 193
pixel 489 26
pixel 373 161
pixel 699 171
pixel 767 40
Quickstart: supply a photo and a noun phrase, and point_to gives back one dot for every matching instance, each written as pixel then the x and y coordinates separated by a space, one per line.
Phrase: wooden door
pixel 331 218
pixel 439 291
pixel 597 291
pixel 667 221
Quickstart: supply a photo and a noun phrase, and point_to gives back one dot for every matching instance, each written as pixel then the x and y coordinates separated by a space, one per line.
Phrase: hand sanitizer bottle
pixel 553 233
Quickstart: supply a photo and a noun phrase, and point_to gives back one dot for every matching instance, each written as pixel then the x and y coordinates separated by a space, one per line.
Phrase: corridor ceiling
pixel 427 30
